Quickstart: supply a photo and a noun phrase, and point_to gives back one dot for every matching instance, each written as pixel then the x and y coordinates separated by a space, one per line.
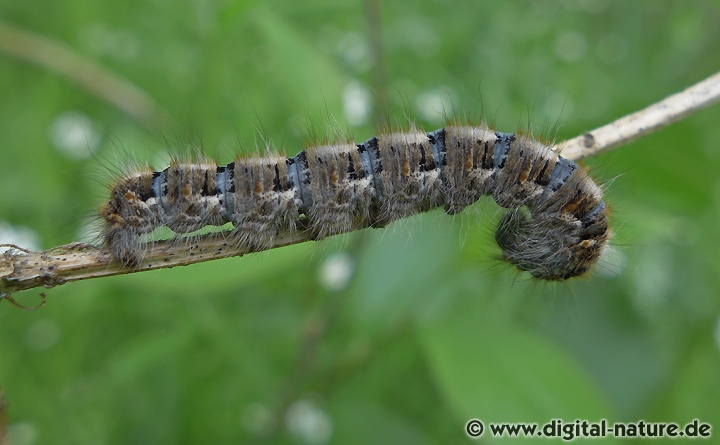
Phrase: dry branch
pixel 643 122
pixel 21 269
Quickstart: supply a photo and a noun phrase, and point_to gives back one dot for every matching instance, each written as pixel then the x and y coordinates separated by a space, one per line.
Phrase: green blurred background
pixel 397 335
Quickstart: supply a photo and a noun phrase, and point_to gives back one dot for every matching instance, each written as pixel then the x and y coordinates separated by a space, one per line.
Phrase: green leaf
pixel 500 373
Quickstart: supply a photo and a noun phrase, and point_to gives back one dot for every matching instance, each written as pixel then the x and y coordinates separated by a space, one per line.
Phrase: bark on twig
pixel 21 269
pixel 643 122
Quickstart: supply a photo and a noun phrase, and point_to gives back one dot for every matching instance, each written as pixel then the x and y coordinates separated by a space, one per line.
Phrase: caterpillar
pixel 556 225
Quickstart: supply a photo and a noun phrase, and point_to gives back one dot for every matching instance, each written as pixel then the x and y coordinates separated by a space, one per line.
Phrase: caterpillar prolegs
pixel 346 186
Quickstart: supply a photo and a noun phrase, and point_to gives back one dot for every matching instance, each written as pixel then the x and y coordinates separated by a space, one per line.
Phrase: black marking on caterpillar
pixel 555 228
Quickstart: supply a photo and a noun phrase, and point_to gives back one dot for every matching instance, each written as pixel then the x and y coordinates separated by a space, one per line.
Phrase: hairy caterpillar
pixel 346 186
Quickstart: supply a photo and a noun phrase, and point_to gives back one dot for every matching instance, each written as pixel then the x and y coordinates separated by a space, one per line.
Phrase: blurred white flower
pixel 305 420
pixel 74 134
pixel 356 103
pixel 336 271
pixel 435 105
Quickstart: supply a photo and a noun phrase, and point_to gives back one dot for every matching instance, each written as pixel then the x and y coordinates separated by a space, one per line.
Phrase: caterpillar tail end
pixel 551 248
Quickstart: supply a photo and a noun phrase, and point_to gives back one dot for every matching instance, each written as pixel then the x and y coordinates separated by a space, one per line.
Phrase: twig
pixel 21 269
pixel 643 122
